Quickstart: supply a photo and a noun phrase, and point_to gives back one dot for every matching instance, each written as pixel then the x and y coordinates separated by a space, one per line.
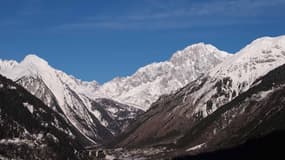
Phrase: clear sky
pixel 102 39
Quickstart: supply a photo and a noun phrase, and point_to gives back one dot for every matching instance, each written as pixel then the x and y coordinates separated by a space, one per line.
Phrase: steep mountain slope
pixel 31 130
pixel 68 96
pixel 149 82
pixel 172 115
pixel 254 113
pixel 113 114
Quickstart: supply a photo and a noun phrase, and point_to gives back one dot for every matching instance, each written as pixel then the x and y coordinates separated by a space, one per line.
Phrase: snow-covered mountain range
pixel 84 105
pixel 146 85
pixel 78 101
pixel 172 115
pixel 201 100
pixel 92 108
pixel 70 97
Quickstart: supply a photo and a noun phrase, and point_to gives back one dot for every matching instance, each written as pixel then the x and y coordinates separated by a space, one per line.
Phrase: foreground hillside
pixel 267 147
pixel 31 130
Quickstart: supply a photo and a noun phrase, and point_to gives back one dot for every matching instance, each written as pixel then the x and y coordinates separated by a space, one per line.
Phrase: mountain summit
pixel 34 59
pixel 145 86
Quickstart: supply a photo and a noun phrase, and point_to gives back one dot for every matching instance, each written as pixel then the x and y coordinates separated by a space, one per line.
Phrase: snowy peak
pixel 31 65
pixel 267 40
pixel 149 82
pixel 255 60
pixel 238 73
pixel 72 98
pixel 263 46
pixel 36 66
pixel 34 60
pixel 199 50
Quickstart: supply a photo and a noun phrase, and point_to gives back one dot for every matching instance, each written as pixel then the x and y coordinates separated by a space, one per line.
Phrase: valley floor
pixel 268 147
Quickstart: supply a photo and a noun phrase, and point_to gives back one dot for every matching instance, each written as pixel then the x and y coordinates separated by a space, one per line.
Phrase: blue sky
pixel 102 39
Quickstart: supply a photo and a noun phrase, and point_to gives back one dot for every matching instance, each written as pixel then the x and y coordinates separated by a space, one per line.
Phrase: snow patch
pixel 110 157
pixel 12 87
pixel 100 118
pixel 29 107
pixel 195 147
